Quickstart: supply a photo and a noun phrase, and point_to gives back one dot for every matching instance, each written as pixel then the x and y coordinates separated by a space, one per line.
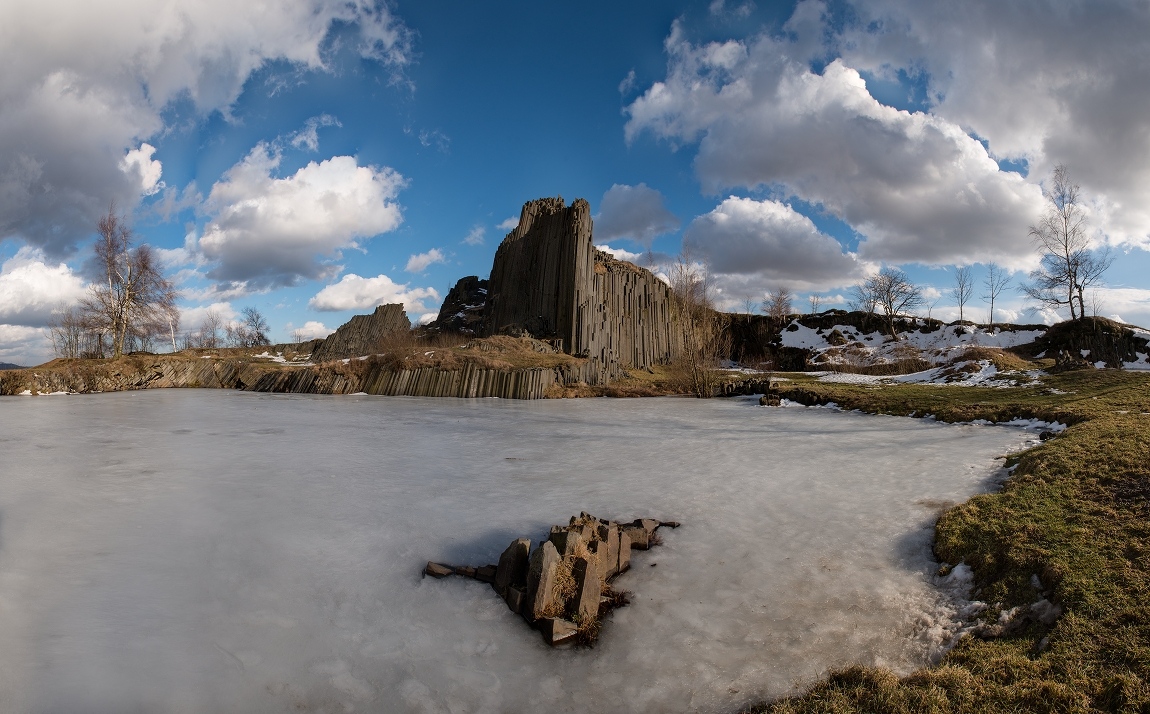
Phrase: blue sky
pixel 318 160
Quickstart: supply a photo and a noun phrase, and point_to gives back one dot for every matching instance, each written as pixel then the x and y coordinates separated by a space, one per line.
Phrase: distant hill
pixel 9 365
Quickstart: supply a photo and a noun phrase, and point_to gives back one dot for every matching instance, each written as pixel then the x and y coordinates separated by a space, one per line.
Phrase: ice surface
pixel 209 550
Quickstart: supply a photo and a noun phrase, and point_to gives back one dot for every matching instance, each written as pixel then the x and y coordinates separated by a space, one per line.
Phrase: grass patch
pixel 1074 513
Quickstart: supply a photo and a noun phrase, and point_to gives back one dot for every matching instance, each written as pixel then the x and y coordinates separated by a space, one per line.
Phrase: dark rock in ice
pixel 512 568
pixel 557 631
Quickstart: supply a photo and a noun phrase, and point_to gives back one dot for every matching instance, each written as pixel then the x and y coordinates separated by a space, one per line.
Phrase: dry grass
pixel 413 350
pixel 1004 360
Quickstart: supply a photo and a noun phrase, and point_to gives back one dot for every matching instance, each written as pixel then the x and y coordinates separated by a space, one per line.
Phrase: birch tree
pixel 132 298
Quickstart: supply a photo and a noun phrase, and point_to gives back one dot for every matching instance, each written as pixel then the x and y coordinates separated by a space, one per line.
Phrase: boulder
pixel 647 524
pixel 515 597
pixel 566 540
pixel 584 607
pixel 624 554
pixel 541 581
pixel 438 570
pixel 465 570
pixel 485 573
pixel 637 535
pixel 512 568
pixel 557 631
pixel 598 551
pixel 610 536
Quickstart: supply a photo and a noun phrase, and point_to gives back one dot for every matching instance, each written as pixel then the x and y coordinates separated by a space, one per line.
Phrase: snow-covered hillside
pixel 848 345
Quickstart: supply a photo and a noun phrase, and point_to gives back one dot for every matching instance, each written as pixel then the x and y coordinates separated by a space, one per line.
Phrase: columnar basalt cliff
pixel 362 334
pixel 550 282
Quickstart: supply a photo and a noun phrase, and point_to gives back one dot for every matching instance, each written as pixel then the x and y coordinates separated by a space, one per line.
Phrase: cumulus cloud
pixel 509 224
pixel 421 261
pixel 30 288
pixel 23 345
pixel 475 235
pixel 353 292
pixel 621 254
pixel 268 231
pixel 915 185
pixel 770 244
pixel 310 330
pixel 634 212
pixel 191 318
pixel 149 170
pixel 1062 84
pixel 75 101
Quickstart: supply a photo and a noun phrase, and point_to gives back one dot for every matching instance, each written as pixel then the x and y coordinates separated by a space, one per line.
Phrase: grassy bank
pixel 1072 524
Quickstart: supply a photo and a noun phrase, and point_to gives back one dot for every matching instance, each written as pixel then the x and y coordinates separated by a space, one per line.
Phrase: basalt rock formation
pixel 1089 340
pixel 362 334
pixel 563 588
pixel 462 309
pixel 548 281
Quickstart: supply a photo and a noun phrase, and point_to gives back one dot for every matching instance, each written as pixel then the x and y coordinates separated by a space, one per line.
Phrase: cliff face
pixel 362 334
pixel 462 309
pixel 549 281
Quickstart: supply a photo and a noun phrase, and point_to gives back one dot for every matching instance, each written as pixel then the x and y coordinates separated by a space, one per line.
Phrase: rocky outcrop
pixel 1087 341
pixel 249 374
pixel 362 334
pixel 462 309
pixel 549 281
pixel 563 587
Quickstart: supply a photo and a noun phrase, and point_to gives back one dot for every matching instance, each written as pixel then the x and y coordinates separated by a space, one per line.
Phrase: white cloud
pixel 627 84
pixel 269 231
pixel 191 318
pixel 308 136
pixel 770 244
pixel 421 261
pixel 311 330
pixel 149 170
pixel 634 212
pixel 30 288
pixel 427 317
pixel 509 224
pixel 85 83
pixel 475 235
pixel 353 292
pixel 1061 84
pixel 621 254
pixel 915 185
pixel 27 346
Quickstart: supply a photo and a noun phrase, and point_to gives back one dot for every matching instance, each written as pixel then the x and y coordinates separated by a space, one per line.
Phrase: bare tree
pixel 892 291
pixel 749 304
pixel 777 306
pixel 816 301
pixel 995 282
pixel 208 334
pixel 134 301
pixel 68 332
pixel 963 288
pixel 250 331
pixel 700 326
pixel 1068 267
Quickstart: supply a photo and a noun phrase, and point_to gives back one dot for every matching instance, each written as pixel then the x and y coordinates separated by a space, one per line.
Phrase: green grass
pixel 1075 512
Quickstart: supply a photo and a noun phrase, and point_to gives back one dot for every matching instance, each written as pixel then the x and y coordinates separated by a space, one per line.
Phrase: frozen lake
pixel 199 550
